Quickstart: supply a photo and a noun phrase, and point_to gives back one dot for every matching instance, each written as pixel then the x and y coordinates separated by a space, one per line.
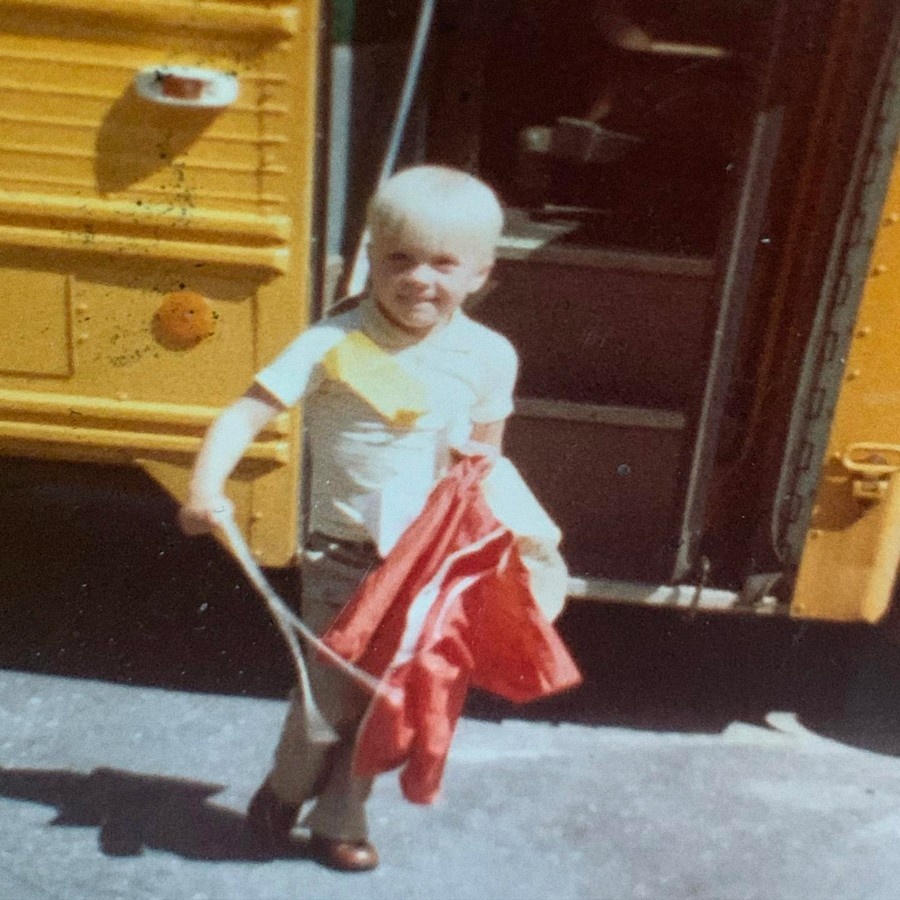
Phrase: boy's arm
pixel 489 433
pixel 486 440
pixel 224 445
pixel 495 402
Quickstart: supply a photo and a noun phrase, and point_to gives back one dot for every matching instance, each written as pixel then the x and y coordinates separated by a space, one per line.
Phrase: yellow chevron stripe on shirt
pixel 373 373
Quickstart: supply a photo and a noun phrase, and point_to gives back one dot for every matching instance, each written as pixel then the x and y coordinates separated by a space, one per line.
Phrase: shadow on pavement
pixel 661 668
pixel 870 718
pixel 128 598
pixel 136 812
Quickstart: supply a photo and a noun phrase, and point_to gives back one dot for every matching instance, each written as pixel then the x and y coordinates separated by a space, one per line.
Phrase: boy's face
pixel 418 286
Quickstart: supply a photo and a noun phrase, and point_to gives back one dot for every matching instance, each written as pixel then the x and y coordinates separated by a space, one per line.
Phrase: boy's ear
pixel 479 279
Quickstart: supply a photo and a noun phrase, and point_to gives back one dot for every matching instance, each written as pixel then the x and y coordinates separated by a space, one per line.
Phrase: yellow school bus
pixel 155 232
pixel 700 268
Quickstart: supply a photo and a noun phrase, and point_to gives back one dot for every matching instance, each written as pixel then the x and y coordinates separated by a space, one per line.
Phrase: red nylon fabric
pixel 479 624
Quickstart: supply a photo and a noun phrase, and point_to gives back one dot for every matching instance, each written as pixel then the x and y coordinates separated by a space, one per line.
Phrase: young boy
pixel 389 388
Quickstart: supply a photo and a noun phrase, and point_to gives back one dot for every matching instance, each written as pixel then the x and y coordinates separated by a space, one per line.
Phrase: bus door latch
pixel 871 467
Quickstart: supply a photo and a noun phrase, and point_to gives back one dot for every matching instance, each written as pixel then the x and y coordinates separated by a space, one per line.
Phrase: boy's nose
pixel 420 274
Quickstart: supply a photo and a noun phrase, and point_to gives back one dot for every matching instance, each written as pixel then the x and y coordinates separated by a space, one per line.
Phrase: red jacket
pixel 450 606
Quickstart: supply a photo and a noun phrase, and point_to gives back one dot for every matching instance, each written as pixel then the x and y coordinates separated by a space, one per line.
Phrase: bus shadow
pixel 663 669
pixel 129 599
pixel 126 597
pixel 868 716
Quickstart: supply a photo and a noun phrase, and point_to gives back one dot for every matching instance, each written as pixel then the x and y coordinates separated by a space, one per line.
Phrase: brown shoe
pixel 345 856
pixel 270 820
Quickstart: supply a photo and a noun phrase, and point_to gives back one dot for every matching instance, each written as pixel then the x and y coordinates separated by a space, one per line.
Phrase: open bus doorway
pixel 633 144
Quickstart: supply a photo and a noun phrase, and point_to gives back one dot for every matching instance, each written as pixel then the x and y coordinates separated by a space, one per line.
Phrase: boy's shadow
pixel 136 812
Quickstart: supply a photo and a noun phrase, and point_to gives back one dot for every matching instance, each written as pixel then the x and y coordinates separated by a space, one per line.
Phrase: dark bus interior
pixel 617 134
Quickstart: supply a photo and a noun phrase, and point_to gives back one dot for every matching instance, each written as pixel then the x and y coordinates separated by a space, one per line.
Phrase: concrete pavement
pixel 116 791
pixel 140 683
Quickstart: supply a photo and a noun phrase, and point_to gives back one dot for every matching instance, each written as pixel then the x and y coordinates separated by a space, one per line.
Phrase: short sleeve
pixel 501 365
pixel 291 375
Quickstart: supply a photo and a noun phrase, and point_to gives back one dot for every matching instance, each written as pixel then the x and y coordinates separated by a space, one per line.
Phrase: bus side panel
pixel 852 551
pixel 155 252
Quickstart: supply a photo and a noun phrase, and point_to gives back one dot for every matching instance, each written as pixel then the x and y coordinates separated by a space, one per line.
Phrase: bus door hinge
pixel 871 467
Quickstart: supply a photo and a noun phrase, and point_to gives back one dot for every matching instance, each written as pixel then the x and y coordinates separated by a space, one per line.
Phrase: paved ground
pixel 112 791
pixel 140 697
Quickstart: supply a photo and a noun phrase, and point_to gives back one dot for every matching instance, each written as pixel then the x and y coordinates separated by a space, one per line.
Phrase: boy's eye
pixel 445 263
pixel 399 258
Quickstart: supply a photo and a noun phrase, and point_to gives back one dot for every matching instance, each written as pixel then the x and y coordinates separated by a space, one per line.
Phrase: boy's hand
pixel 475 448
pixel 201 516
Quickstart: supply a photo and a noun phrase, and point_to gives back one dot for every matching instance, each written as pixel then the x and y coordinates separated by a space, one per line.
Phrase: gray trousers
pixel 303 770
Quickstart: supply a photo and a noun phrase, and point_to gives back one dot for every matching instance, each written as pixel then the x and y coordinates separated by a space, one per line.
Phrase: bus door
pixel 670 172
pixel 156 201
pixel 634 144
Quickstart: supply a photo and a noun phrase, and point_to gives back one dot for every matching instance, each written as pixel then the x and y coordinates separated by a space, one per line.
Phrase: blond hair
pixel 439 206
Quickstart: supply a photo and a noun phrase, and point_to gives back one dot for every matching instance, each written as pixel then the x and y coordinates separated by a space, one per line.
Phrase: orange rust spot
pixel 186 317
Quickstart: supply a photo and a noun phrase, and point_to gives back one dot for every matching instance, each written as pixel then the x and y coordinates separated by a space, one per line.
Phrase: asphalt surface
pixel 141 693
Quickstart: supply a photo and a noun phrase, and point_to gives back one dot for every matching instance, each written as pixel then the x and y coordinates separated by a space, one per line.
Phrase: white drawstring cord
pixel 290 624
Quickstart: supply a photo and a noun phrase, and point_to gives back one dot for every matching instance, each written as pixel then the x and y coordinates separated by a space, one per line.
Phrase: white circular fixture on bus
pixel 188 86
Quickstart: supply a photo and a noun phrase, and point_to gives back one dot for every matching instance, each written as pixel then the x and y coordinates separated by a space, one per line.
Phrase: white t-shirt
pixel 369 477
